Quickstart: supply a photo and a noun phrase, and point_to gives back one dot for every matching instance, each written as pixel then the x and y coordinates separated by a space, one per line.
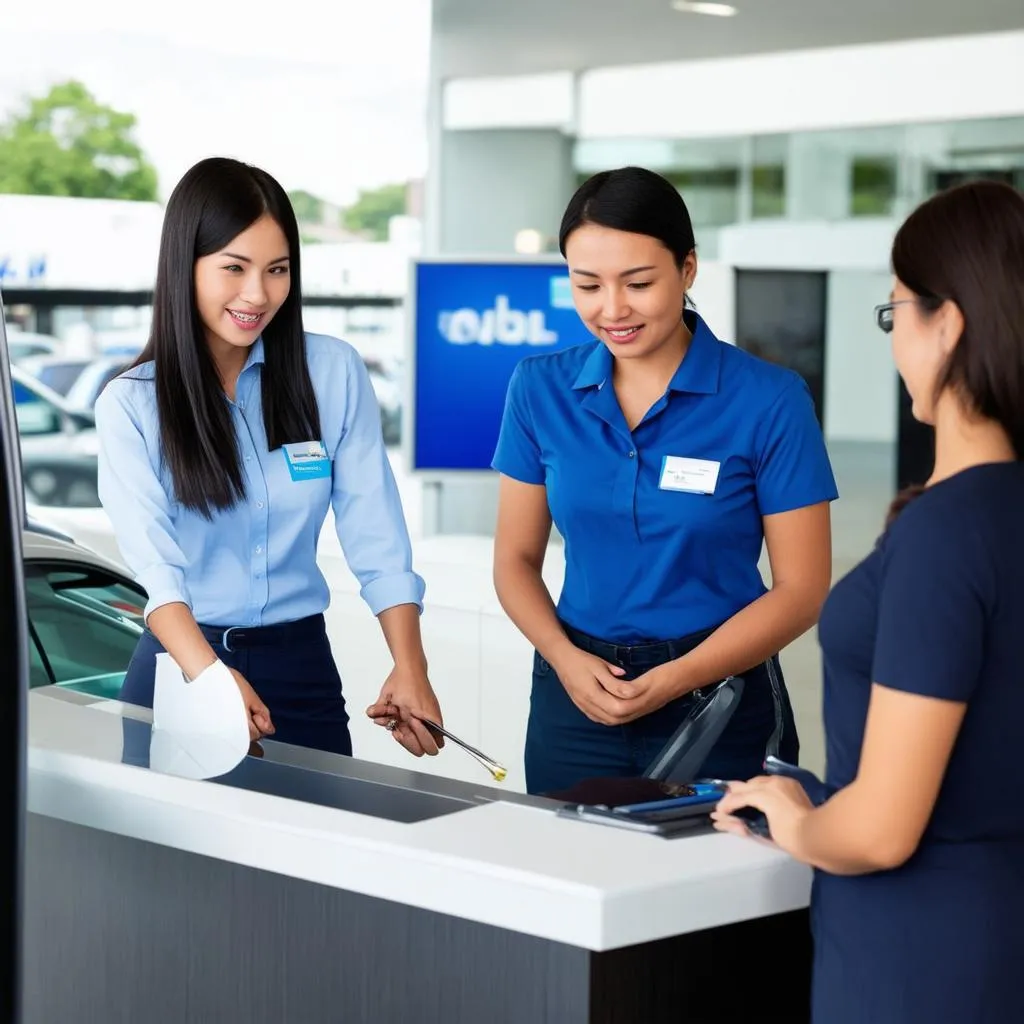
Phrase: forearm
pixel 751 636
pixel 400 625
pixel 838 837
pixel 527 602
pixel 176 629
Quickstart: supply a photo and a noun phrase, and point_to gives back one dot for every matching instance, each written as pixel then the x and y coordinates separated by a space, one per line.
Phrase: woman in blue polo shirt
pixel 665 457
pixel 221 451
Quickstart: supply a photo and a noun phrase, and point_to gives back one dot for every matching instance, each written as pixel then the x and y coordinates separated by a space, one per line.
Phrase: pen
pixel 702 794
pixel 497 771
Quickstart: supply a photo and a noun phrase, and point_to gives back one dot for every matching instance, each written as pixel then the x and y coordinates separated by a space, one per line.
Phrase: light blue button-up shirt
pixel 255 564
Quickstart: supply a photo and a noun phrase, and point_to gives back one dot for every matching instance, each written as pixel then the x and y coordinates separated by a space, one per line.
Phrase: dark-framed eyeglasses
pixel 884 313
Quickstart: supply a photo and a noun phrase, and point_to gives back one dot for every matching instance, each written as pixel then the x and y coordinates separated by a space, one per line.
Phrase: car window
pixel 85 623
pixel 35 415
pixel 60 376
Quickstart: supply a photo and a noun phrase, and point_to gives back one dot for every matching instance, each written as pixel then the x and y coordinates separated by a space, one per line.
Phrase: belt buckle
pixel 224 639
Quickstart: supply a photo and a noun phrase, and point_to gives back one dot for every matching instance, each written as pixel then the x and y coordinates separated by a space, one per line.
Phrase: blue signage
pixel 31 269
pixel 474 320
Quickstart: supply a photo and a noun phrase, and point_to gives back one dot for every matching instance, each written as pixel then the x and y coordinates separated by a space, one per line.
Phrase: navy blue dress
pixel 936 609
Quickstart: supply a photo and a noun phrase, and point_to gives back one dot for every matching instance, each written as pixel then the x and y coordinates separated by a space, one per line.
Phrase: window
pixel 768 185
pixel 85 623
pixel 874 187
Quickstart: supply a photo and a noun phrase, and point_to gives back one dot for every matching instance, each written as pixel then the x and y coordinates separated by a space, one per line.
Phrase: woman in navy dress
pixel 918 900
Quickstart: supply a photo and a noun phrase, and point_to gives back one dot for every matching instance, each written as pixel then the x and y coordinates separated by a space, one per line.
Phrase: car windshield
pixel 60 376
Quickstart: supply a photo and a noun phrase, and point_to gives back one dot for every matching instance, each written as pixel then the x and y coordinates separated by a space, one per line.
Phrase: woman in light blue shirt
pixel 221 450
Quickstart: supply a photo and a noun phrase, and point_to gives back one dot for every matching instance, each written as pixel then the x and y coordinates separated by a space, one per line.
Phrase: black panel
pixel 392 802
pixel 122 931
pixel 780 316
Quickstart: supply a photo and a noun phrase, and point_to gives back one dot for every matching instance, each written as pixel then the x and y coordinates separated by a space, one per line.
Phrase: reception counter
pixel 303 887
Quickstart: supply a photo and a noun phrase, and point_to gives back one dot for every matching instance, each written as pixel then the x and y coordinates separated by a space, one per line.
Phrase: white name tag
pixel 698 476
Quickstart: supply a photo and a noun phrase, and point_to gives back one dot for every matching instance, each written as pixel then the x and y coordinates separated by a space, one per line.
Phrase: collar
pixel 257 356
pixel 698 373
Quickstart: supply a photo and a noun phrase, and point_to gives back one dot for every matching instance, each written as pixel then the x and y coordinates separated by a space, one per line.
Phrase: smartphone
pixel 709 793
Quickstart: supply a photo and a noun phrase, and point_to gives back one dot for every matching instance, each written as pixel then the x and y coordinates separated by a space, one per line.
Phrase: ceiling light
pixel 700 7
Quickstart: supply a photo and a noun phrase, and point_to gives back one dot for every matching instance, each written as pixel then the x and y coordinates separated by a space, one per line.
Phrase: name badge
pixel 697 476
pixel 307 460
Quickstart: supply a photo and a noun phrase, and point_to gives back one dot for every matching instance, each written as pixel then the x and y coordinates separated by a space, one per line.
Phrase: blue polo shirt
pixel 649 554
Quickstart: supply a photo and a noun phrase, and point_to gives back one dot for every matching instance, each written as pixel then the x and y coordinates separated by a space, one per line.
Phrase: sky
pixel 326 95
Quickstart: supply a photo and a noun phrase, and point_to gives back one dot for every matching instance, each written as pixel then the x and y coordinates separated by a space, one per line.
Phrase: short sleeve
pixel 792 468
pixel 932 605
pixel 518 454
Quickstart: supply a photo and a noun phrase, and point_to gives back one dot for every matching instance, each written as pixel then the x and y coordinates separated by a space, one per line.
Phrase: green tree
pixel 370 213
pixel 68 144
pixel 308 208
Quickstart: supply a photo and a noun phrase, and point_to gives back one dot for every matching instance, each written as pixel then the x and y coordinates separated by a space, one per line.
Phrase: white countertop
pixel 505 864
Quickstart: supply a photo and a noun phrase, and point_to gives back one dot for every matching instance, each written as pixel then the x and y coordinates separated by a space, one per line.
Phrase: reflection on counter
pixel 207 757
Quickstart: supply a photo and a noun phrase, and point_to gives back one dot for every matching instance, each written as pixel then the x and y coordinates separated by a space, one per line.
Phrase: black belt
pixel 231 638
pixel 636 655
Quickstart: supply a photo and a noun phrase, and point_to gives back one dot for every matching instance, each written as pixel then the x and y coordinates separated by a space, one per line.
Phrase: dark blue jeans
pixel 564 747
pixel 291 668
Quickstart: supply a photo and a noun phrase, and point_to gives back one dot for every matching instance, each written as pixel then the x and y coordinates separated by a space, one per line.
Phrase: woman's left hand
pixel 784 802
pixel 646 694
pixel 405 698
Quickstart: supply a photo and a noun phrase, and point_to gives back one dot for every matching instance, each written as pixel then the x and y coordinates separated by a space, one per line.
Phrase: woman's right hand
pixel 594 685
pixel 259 716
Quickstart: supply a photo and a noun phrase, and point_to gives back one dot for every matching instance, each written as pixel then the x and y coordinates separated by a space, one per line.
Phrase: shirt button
pixel 248 458
pixel 632 455
pixel 259 504
pixel 259 549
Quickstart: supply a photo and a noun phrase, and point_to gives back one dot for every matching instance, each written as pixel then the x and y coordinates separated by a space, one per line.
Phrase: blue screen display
pixel 473 322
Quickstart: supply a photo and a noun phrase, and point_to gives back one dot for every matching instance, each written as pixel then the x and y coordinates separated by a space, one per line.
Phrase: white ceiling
pixel 506 37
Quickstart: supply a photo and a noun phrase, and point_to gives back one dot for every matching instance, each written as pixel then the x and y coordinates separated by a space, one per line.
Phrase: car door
pixel 13 696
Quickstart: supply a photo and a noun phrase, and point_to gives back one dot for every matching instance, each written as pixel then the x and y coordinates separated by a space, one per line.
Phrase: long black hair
pixel 214 202
pixel 966 245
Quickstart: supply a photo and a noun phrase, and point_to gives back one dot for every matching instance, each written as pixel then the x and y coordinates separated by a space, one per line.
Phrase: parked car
pixel 26 344
pixel 94 378
pixel 58 373
pixel 85 615
pixel 46 423
pixel 60 479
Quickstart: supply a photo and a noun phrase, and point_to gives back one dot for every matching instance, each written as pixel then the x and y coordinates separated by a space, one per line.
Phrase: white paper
pixel 200 728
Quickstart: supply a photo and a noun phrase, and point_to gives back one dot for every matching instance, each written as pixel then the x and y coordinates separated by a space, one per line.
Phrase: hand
pixel 259 716
pixel 783 801
pixel 651 691
pixel 595 686
pixel 405 697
